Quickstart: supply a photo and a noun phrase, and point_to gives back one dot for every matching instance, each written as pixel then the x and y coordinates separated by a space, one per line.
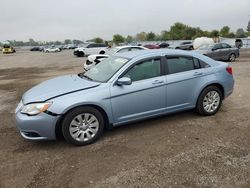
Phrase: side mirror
pixel 124 81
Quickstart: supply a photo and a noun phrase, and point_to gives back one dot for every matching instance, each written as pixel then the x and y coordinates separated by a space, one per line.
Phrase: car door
pixel 95 49
pixel 92 49
pixel 226 49
pixel 217 52
pixel 183 81
pixel 145 97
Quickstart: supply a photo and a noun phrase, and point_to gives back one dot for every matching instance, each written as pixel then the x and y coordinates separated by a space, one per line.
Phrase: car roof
pixel 139 53
pixel 121 47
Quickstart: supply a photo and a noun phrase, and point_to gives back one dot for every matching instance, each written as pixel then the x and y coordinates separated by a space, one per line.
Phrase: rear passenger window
pixel 91 46
pixel 203 64
pixel 101 45
pixel 180 64
pixel 200 64
pixel 224 45
pixel 196 63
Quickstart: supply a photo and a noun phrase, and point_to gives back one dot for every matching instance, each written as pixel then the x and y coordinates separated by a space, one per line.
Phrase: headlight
pixel 35 108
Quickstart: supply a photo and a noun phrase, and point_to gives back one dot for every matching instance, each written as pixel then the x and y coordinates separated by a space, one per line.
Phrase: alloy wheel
pixel 84 127
pixel 232 58
pixel 211 101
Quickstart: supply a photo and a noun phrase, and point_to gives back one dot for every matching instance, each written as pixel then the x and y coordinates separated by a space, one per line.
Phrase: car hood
pixel 93 57
pixel 56 87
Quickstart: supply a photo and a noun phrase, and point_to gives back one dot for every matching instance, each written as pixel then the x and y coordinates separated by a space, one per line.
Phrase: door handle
pixel 158 82
pixel 198 73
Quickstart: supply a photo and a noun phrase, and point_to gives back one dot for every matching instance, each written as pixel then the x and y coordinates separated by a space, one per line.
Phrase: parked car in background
pixel 220 51
pixel 69 46
pixel 123 88
pixel 52 49
pixel 186 45
pixel 72 46
pixel 163 45
pixel 152 46
pixel 65 47
pixel 90 49
pixel 36 48
pixel 60 47
pixel 7 49
pixel 93 60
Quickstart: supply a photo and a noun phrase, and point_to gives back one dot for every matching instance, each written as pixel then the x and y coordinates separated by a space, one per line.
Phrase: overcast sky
pixel 86 19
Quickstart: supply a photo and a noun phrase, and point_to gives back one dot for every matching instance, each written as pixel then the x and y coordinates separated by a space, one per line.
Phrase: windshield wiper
pixel 82 75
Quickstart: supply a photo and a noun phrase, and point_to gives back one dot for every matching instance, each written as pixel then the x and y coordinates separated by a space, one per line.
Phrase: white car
pixel 92 60
pixel 89 49
pixel 52 49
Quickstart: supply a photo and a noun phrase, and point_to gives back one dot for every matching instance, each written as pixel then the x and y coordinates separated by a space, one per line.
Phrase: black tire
pixel 232 57
pixel 80 54
pixel 102 52
pixel 200 107
pixel 71 115
pixel 191 48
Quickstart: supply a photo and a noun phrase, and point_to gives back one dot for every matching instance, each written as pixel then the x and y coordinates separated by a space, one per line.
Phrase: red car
pixel 151 46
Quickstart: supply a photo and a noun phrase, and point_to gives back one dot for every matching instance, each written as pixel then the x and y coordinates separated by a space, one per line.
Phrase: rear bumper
pixel 39 127
pixel 229 87
pixel 8 52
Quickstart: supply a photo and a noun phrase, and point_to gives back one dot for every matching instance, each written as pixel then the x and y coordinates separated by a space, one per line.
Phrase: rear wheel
pixel 209 101
pixel 82 126
pixel 81 54
pixel 232 57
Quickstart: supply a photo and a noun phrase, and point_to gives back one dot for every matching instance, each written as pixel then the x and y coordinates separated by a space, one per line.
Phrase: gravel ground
pixel 180 150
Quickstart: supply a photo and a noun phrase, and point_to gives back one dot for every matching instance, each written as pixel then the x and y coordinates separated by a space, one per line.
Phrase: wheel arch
pixel 102 52
pixel 107 124
pixel 216 84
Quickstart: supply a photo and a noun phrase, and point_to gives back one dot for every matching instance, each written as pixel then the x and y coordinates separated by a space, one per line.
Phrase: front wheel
pixel 209 101
pixel 82 126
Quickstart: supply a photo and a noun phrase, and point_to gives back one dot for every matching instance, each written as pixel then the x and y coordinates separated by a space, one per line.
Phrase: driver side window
pixel 144 70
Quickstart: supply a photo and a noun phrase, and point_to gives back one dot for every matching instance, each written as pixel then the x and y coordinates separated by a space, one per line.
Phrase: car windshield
pixel 6 46
pixel 103 71
pixel 112 51
pixel 205 47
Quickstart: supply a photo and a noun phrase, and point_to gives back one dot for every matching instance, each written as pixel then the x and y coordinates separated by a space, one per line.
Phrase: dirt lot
pixel 181 150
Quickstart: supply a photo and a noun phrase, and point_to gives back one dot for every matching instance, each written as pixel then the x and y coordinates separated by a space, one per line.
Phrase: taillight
pixel 229 70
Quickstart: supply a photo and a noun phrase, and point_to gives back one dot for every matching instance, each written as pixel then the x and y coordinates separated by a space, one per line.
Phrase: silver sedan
pixel 220 51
